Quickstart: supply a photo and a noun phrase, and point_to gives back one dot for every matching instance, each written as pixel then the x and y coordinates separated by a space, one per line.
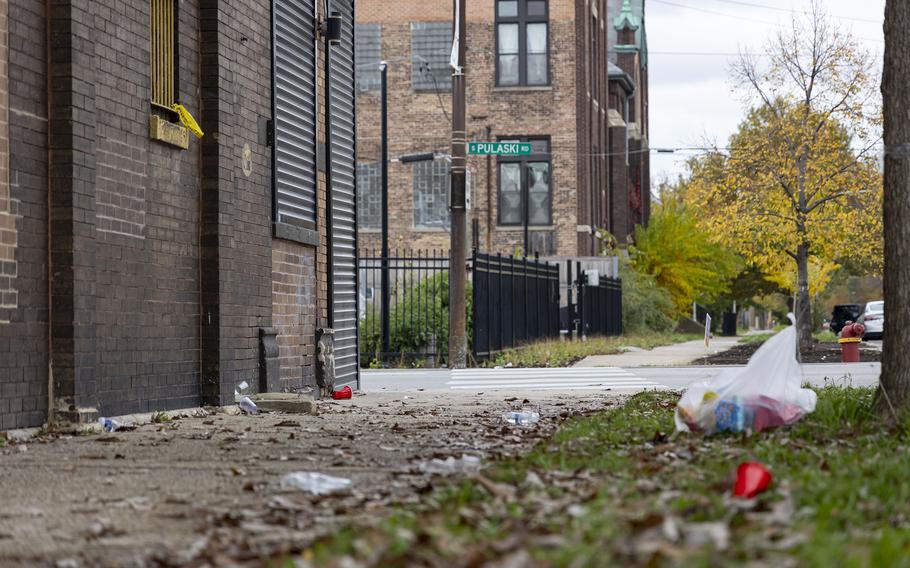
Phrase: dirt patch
pixel 819 353
pixel 205 491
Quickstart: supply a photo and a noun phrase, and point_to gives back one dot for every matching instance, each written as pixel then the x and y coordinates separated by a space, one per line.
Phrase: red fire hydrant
pixel 850 338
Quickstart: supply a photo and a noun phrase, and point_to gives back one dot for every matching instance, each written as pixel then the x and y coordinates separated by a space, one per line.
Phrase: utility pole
pixel 384 160
pixel 458 346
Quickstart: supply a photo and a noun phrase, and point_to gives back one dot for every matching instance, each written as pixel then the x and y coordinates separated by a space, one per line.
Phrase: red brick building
pixel 142 269
pixel 538 71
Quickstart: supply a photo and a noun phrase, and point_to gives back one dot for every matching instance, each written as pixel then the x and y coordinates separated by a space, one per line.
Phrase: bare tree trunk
pixel 895 381
pixel 803 308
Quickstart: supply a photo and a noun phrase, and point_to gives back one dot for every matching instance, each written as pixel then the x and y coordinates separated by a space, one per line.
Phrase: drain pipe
pixel 50 272
pixel 330 29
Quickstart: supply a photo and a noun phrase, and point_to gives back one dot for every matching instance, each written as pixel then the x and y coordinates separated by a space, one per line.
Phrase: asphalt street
pixel 586 380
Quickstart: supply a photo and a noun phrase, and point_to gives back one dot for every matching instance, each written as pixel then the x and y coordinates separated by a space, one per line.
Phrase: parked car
pixel 874 319
pixel 842 314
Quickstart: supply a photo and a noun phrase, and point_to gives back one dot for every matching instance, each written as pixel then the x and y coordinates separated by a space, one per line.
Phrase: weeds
pixel 557 353
pixel 161 418
pixel 611 481
pixel 757 338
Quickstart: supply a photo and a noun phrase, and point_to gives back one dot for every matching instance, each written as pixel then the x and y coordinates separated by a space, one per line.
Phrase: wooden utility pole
pixel 894 393
pixel 458 346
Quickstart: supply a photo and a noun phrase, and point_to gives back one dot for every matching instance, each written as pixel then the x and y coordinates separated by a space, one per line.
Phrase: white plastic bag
pixel 765 394
pixel 315 483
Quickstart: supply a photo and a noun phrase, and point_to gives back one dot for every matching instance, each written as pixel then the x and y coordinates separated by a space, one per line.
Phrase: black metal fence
pixel 599 305
pixel 512 301
pixel 414 329
pixel 515 300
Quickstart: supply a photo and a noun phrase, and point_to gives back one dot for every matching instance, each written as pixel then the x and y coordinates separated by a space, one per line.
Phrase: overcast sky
pixel 691 96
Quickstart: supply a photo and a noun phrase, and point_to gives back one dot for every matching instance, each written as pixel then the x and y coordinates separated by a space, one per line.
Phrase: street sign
pixel 499 148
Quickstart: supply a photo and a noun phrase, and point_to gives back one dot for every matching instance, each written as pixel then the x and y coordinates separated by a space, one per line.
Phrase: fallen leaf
pixel 703 534
pixel 498 490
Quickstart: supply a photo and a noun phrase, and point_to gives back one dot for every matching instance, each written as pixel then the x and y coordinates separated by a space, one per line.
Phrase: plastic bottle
pixel 248 406
pixel 521 418
pixel 240 391
pixel 109 424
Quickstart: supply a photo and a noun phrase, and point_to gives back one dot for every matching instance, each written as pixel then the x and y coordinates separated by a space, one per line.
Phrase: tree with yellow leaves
pixel 681 257
pixel 799 189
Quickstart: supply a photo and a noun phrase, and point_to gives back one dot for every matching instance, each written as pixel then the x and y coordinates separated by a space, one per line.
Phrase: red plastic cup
pixel 752 478
pixel 343 394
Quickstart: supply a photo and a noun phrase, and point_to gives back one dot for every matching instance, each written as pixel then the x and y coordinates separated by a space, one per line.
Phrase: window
pixel 369 195
pixel 367 55
pixel 164 53
pixel 431 49
pixel 431 194
pixel 525 195
pixel 522 43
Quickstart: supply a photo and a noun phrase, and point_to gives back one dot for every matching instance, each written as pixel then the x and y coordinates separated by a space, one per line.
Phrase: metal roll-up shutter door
pixel 295 112
pixel 344 219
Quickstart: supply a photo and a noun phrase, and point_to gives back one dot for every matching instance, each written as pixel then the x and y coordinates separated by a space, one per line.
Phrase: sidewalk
pixel 205 491
pixel 667 356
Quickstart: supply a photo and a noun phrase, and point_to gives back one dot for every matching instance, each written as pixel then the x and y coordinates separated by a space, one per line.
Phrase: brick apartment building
pixel 568 76
pixel 142 269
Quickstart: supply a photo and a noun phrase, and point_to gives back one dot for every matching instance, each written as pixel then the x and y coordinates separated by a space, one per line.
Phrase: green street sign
pixel 499 148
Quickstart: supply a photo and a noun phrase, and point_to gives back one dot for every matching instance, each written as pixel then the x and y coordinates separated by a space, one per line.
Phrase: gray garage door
pixel 344 218
pixel 295 112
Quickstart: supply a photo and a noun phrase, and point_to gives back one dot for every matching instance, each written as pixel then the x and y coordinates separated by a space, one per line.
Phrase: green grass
pixel 825 336
pixel 821 337
pixel 757 338
pixel 610 480
pixel 557 353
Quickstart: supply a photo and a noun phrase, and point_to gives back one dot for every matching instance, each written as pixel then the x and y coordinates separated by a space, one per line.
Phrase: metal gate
pixel 343 187
pixel 515 300
pixel 294 94
pixel 600 305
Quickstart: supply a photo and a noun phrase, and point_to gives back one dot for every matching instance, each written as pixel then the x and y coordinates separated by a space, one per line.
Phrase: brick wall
pixel 23 333
pixel 294 311
pixel 300 274
pixel 146 215
pixel 619 182
pixel 164 265
pixel 573 112
pixel 418 122
pixel 236 208
pixel 9 298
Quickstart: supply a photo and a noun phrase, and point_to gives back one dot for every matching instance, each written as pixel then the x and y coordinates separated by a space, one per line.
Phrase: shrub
pixel 419 314
pixel 646 307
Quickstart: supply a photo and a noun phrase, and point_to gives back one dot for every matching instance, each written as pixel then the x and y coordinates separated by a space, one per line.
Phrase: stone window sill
pixel 167 132
pixel 523 89
pixel 520 228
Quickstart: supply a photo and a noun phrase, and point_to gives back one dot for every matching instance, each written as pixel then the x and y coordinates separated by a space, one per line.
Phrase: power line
pixel 789 10
pixel 743 18
pixel 715 13
pixel 706 53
